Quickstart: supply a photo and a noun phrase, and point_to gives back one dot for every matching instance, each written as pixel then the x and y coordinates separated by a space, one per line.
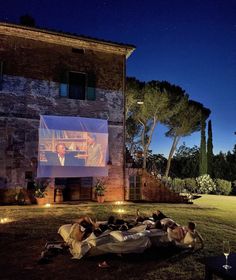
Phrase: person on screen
pixel 95 156
pixel 63 158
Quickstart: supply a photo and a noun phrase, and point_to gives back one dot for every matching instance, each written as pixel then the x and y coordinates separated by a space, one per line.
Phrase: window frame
pixel 64 85
pixel 85 85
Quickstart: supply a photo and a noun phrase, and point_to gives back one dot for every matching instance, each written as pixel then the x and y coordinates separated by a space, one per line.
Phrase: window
pixel 135 187
pixel 77 85
pixel 79 51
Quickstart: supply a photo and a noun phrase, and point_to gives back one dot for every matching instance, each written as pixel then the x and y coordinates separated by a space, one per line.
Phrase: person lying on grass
pixel 185 236
pixel 154 222
pixel 156 216
pixel 83 227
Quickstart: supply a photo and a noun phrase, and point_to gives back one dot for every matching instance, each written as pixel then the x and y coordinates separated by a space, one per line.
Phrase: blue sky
pixel 190 43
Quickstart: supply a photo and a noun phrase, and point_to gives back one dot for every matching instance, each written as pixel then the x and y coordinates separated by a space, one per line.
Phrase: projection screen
pixel 72 147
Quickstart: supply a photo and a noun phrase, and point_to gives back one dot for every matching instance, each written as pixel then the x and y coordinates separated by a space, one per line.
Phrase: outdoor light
pixel 4 220
pixel 140 102
pixel 121 211
pixel 47 205
pixel 119 202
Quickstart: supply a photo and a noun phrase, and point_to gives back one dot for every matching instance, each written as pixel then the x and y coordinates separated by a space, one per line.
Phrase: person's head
pixel 191 226
pixel 158 225
pixel 91 139
pixel 61 149
pixel 111 220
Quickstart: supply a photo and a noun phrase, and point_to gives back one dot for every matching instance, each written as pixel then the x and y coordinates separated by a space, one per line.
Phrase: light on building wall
pixel 5 220
pixel 140 102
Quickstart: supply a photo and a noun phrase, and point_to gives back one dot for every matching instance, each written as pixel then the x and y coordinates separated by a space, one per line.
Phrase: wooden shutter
pixel 91 88
pixel 64 84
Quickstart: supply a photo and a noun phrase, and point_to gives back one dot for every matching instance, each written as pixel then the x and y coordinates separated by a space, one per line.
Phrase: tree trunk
pixel 146 146
pixel 172 150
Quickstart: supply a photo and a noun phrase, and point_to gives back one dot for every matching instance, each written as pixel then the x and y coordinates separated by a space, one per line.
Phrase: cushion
pixel 77 232
pixel 64 231
pixel 167 222
pixel 137 229
pixel 118 235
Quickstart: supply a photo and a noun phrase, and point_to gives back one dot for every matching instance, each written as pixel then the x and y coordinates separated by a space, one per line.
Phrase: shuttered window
pixel 91 89
pixel 64 84
pixel 75 85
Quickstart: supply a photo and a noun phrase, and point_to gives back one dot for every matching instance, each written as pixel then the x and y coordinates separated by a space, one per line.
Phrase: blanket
pixel 135 240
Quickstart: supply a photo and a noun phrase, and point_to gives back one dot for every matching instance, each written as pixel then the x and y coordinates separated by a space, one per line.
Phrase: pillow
pixel 189 239
pixel 77 232
pixel 100 240
pixel 64 231
pixel 117 235
pixel 167 222
pixel 137 229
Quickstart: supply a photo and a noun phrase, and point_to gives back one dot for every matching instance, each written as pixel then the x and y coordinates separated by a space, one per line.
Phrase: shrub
pixel 223 187
pixel 100 188
pixel 178 185
pixel 205 184
pixel 190 185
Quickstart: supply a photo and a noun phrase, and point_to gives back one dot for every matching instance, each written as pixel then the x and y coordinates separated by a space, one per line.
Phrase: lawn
pixel 23 238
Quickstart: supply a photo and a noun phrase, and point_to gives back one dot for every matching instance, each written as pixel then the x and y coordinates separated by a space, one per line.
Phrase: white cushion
pixel 117 235
pixel 137 229
pixel 64 231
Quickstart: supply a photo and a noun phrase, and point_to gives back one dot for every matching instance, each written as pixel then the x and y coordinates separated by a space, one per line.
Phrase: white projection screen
pixel 72 147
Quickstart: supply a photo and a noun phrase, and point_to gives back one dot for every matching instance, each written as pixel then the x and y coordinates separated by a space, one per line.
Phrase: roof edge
pixel 52 36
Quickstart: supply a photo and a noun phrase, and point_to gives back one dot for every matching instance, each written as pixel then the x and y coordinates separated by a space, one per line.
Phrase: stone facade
pixel 30 85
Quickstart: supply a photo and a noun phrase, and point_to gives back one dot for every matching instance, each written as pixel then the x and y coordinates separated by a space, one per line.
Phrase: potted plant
pixel 39 193
pixel 100 190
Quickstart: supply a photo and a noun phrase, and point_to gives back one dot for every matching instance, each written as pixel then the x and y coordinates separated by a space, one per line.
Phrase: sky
pixel 190 43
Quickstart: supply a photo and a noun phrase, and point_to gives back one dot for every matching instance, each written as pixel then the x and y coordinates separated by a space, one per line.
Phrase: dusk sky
pixel 190 43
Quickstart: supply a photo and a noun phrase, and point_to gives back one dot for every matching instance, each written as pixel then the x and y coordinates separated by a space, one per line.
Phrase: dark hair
pixel 60 144
pixel 111 220
pixel 88 228
pixel 191 225
pixel 158 224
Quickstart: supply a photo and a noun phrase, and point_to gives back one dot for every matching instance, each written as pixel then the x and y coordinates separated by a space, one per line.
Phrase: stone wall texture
pixel 30 87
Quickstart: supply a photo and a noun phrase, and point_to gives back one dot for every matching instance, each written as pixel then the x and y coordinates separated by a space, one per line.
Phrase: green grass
pixel 22 241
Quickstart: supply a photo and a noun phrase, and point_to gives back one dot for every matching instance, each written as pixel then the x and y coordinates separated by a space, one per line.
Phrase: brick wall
pixel 30 87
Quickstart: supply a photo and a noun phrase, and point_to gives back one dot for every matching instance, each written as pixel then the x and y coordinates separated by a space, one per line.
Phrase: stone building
pixel 36 69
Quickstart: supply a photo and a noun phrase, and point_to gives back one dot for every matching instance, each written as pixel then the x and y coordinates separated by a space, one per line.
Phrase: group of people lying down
pixel 187 236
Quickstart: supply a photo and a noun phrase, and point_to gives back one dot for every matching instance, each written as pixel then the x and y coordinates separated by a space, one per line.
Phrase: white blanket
pixel 135 240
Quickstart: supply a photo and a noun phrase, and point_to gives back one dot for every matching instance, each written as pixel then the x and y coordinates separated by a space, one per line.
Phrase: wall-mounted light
pixel 5 220
pixel 140 102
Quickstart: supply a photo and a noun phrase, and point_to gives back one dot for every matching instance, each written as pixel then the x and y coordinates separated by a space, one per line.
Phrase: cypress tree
pixel 209 149
pixel 203 154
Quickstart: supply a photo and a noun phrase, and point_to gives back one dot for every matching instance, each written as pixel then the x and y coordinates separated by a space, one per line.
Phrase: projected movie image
pixel 72 148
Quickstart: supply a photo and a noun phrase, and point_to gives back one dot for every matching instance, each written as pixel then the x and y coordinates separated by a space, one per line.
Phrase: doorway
pixel 135 187
pixel 76 188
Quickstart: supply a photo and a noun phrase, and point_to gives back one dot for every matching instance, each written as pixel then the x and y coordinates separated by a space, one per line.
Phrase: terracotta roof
pixel 127 48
